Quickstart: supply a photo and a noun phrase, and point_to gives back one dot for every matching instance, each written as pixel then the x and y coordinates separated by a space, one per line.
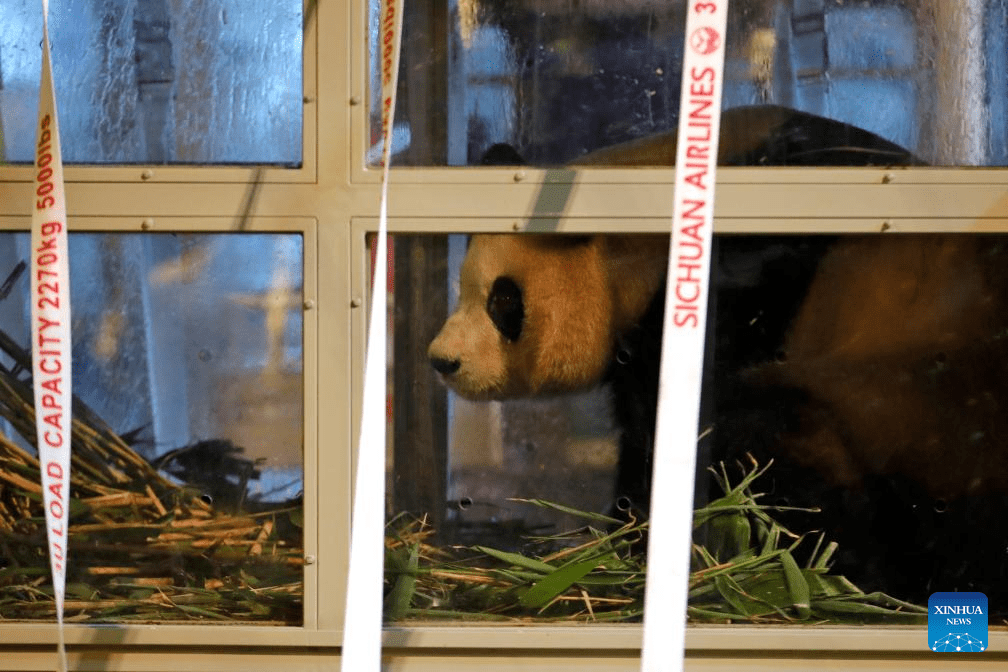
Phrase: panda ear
pixel 506 307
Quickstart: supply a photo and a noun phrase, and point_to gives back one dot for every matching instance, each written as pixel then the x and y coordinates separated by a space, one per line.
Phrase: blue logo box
pixel 957 622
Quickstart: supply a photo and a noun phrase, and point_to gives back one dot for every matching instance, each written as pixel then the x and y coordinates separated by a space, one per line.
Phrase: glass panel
pixel 553 81
pixel 157 81
pixel 187 464
pixel 854 394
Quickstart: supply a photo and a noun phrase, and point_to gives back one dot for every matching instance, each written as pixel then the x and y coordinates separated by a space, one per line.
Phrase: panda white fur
pixel 550 314
pixel 913 328
pixel 541 314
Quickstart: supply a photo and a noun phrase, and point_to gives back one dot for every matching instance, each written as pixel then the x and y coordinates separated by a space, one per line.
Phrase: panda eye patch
pixel 506 307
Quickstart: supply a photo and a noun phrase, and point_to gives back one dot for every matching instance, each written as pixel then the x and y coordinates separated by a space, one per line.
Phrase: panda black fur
pixel 881 318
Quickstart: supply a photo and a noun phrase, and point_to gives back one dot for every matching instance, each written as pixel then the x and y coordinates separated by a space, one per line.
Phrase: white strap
pixel 671 522
pixel 362 620
pixel 50 330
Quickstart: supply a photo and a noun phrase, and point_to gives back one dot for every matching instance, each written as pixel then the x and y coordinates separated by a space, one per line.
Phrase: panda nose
pixel 445 366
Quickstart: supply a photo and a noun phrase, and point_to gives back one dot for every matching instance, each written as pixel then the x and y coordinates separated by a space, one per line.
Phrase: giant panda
pixel 543 315
pixel 859 364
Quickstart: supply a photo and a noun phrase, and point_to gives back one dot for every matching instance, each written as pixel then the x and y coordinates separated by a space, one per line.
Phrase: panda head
pixel 540 314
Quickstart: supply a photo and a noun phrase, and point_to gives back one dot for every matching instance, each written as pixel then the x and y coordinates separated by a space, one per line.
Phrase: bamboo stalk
pixel 133 530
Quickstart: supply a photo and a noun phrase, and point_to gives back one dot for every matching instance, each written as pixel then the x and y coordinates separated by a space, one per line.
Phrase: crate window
pixel 157 81
pixel 187 490
pixel 546 82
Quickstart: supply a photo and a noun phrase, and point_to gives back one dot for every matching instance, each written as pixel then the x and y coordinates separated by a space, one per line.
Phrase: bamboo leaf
pixel 549 587
pixel 798 587
pixel 401 597
pixel 730 593
pixel 517 560
pixel 587 515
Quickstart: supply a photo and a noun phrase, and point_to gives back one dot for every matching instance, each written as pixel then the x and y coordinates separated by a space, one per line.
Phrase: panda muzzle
pixel 445 367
